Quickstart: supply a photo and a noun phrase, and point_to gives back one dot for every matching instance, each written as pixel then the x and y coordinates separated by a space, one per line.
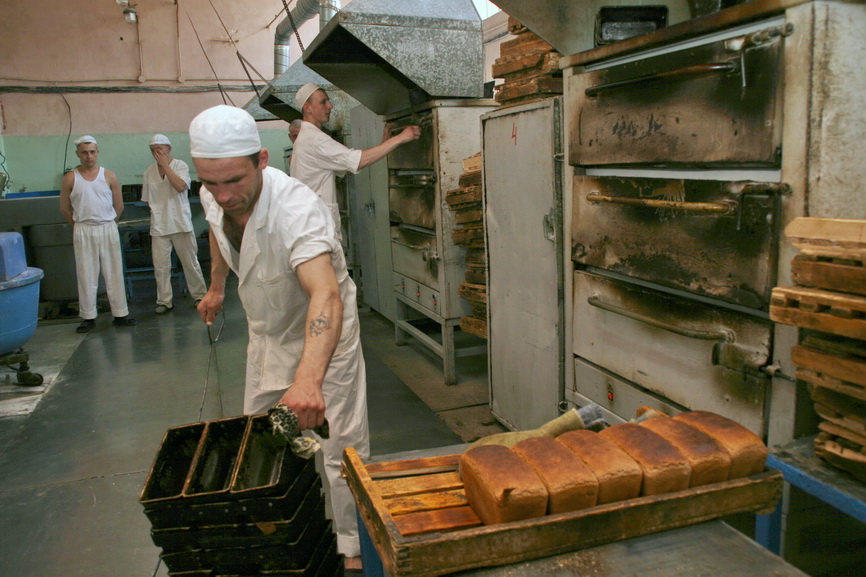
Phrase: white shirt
pixel 169 209
pixel 289 226
pixel 92 200
pixel 317 159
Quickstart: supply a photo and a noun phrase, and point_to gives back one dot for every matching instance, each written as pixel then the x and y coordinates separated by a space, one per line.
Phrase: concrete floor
pixel 75 452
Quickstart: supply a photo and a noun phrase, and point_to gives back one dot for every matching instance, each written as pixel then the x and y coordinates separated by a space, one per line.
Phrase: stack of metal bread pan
pixel 228 498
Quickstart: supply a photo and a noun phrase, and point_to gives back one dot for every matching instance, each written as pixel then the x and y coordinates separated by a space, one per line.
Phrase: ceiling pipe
pixel 303 11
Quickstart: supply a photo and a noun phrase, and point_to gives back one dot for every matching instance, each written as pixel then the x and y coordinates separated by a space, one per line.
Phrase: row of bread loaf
pixel 582 468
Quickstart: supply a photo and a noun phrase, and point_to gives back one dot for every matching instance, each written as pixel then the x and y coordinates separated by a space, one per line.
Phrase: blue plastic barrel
pixel 19 309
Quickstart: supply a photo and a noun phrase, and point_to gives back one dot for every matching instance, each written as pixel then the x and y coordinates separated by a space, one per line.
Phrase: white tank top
pixel 92 201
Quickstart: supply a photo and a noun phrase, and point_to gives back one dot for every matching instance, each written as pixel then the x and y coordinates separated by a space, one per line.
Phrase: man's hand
pixel 410 133
pixel 161 157
pixel 210 306
pixel 307 402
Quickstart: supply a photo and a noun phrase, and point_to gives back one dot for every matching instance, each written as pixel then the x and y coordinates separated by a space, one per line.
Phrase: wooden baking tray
pixel 421 524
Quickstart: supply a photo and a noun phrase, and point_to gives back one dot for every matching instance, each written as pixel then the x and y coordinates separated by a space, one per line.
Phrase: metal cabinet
pixel 428 266
pixel 523 214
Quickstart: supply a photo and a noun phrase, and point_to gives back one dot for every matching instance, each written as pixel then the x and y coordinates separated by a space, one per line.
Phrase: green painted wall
pixel 37 163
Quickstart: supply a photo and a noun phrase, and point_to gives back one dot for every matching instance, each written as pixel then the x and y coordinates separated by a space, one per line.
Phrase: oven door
pixel 715 239
pixel 717 104
pixel 412 198
pixel 417 154
pixel 414 255
pixel 695 355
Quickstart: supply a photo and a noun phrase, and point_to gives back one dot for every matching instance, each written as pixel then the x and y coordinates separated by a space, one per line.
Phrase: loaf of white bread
pixel 581 469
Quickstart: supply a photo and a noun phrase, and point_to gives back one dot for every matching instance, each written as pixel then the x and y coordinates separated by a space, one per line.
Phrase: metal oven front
pixel 676 222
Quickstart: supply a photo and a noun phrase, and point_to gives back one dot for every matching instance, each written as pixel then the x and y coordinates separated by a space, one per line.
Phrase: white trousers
pixel 186 248
pixel 98 246
pixel 345 392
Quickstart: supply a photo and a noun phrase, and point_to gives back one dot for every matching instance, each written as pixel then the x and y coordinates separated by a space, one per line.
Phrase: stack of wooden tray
pixel 465 202
pixel 829 301
pixel 227 497
pixel 421 524
pixel 529 67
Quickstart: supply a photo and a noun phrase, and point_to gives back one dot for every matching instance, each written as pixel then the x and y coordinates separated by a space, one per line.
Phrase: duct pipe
pixel 303 11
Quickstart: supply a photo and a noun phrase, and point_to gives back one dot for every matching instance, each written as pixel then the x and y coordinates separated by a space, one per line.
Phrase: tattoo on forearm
pixel 319 325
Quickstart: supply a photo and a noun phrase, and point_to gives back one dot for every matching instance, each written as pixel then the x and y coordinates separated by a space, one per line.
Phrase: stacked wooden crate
pixel 465 203
pixel 529 67
pixel 829 303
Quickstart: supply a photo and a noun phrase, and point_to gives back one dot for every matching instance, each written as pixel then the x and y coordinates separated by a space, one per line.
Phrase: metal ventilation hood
pixel 278 99
pixel 569 25
pixel 394 54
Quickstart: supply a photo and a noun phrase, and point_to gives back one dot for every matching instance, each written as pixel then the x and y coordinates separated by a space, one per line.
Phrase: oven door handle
pixel 723 208
pixel 726 352
pixel 685 72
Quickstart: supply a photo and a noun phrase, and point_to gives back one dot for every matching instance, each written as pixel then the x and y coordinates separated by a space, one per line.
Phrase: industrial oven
pixel 428 266
pixel 693 147
pixel 688 150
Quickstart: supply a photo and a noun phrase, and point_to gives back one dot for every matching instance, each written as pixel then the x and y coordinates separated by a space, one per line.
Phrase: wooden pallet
pixel 851 370
pixel 821 310
pixel 532 87
pixel 831 237
pixel 844 275
pixel 841 454
pixel 420 522
pixel 527 64
pixel 474 326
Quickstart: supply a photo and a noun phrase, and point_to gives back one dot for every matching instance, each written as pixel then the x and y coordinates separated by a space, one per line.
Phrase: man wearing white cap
pixel 317 158
pixel 90 200
pixel 165 188
pixel 301 305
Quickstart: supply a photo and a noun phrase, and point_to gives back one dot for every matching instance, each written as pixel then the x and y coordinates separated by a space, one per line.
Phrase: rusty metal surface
pixel 568 25
pixel 715 239
pixel 713 105
pixel 696 355
pixel 741 13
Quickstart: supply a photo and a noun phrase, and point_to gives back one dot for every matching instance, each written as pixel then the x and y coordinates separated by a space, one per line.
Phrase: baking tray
pixel 325 563
pixel 421 524
pixel 250 508
pixel 266 465
pixel 215 459
pixel 171 466
pixel 304 554
pixel 285 530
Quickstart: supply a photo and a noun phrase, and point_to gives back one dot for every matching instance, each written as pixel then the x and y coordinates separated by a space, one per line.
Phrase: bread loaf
pixel 500 486
pixel 665 468
pixel 710 461
pixel 571 484
pixel 748 453
pixel 619 476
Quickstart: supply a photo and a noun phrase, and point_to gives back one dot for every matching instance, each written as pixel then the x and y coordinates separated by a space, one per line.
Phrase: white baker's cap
pixel 84 139
pixel 304 93
pixel 223 132
pixel 159 139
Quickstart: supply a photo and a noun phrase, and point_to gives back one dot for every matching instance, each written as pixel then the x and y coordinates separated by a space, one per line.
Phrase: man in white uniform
pixel 165 188
pixel 317 158
pixel 304 342
pixel 90 200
